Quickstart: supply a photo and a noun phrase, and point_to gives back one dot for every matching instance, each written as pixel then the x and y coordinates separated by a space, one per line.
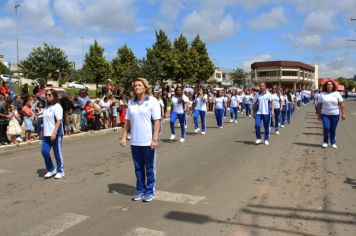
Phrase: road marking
pixel 145 232
pixel 56 225
pixel 178 197
pixel 241 233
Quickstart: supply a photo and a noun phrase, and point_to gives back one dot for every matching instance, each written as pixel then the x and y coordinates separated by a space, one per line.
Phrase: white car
pixel 10 79
pixel 77 85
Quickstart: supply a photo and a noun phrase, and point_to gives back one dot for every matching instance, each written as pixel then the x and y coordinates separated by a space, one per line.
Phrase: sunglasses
pixel 48 94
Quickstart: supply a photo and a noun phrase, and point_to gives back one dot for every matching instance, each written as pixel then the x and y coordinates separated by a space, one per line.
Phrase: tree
pixel 204 67
pixel 46 62
pixel 161 55
pixel 238 76
pixel 96 68
pixel 4 69
pixel 348 83
pixel 185 67
pixel 125 67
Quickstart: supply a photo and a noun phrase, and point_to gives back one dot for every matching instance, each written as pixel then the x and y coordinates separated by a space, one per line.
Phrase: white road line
pixel 178 197
pixel 145 232
pixel 56 225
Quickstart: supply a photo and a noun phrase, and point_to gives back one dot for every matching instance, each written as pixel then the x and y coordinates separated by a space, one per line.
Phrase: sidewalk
pixel 35 143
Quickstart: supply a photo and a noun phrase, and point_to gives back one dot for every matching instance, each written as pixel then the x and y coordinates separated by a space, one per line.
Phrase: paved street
pixel 217 184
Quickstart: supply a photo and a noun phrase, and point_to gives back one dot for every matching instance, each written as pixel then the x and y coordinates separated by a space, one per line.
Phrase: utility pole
pixel 82 50
pixel 17 39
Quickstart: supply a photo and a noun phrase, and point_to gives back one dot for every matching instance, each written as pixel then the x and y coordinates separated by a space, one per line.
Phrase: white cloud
pixel 340 66
pixel 36 15
pixel 246 64
pixel 320 22
pixel 309 41
pixel 210 21
pixel 112 16
pixel 270 20
pixel 7 23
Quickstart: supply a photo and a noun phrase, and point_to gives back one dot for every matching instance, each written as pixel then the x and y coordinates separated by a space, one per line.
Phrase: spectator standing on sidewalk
pixel 4 120
pixel 28 117
pixel 143 119
pixel 14 128
pixel 330 105
pixel 53 135
pixel 76 114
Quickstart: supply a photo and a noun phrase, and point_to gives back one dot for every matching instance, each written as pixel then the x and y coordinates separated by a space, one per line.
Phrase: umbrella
pixel 188 90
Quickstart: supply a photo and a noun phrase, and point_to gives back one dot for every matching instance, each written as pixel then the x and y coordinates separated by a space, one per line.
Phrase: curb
pixel 37 143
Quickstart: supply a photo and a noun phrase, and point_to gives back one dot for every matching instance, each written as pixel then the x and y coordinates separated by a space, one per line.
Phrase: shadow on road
pixel 123 189
pixel 166 140
pixel 308 144
pixel 313 127
pixel 204 219
pixel 246 142
pixel 191 133
pixel 307 133
pixel 41 172
pixel 351 182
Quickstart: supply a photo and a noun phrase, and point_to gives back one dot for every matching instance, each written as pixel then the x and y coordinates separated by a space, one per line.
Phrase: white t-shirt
pixel 284 99
pixel 200 104
pixel 248 99
pixel 263 100
pixel 141 119
pixel 330 103
pixel 178 107
pixel 50 115
pixel 104 105
pixel 219 102
pixel 276 101
pixel 234 100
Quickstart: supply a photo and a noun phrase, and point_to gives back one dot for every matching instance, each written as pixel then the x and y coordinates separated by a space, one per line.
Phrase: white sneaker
pixel 231 120
pixel 202 133
pixel 196 130
pixel 59 175
pixel 235 121
pixel 181 140
pixel 258 141
pixel 128 137
pixel 324 145
pixel 221 127
pixel 19 139
pixel 334 146
pixel 186 126
pixel 249 116
pixel 50 174
pixel 277 132
pixel 266 142
pixel 173 136
pixel 282 126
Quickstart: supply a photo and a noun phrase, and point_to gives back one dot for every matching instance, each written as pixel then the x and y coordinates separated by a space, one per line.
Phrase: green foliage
pixel 238 76
pixel 4 69
pixel 96 69
pixel 348 83
pixel 185 71
pixel 45 62
pixel 125 67
pixel 162 58
pixel 203 66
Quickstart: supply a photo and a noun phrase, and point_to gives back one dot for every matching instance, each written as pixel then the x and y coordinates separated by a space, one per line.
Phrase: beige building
pixel 286 74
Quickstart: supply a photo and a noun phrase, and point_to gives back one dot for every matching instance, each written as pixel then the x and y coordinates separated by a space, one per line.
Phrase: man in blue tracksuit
pixel 261 112
pixel 143 118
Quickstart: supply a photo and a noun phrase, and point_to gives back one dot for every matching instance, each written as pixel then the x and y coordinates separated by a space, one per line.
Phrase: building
pixel 286 74
pixel 217 77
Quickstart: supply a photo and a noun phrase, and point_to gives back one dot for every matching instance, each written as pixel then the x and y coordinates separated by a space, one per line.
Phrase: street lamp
pixel 82 51
pixel 17 39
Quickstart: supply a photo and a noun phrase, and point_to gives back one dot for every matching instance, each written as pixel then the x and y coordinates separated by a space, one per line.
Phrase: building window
pixel 218 75
pixel 291 73
pixel 268 73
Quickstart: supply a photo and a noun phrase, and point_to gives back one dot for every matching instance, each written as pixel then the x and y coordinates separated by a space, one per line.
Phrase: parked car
pixel 10 78
pixel 77 85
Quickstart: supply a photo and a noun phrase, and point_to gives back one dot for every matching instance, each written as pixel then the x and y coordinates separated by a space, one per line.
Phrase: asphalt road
pixel 217 184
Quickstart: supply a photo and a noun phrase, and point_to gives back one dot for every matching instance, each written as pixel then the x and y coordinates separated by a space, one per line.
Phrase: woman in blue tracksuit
pixel 248 101
pixel 284 107
pixel 219 105
pixel 53 135
pixel 178 111
pixel 278 104
pixel 289 105
pixel 200 110
pixel 234 104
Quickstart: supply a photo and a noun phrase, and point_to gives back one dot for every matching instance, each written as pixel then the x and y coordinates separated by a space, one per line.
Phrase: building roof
pixel 298 64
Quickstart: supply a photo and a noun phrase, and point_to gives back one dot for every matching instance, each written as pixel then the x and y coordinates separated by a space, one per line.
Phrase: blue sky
pixel 237 32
